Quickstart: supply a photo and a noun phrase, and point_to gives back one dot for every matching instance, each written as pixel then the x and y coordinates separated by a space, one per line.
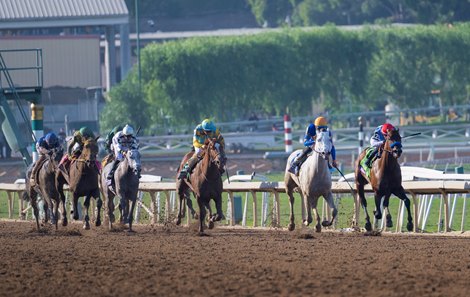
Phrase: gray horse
pixel 47 188
pixel 126 181
pixel 314 180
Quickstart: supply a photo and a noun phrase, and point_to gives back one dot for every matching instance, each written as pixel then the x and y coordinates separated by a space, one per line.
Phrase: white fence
pixel 423 194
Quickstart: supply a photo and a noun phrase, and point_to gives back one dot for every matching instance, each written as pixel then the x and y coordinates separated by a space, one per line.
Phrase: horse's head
pixel 393 143
pixel 133 159
pixel 57 154
pixel 90 149
pixel 323 144
pixel 216 153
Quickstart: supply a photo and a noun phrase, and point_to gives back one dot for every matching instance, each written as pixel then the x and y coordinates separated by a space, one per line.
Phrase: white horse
pixel 314 180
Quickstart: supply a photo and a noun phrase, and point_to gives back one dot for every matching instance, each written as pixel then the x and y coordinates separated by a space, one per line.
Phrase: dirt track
pixel 174 261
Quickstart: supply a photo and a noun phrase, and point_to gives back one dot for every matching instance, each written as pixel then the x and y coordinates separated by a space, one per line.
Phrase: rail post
pixel 288 133
pixel 360 134
pixel 37 112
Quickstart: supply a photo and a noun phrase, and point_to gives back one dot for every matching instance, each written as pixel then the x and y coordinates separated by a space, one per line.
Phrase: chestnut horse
pixel 314 180
pixel 206 183
pixel 385 179
pixel 47 188
pixel 126 181
pixel 83 181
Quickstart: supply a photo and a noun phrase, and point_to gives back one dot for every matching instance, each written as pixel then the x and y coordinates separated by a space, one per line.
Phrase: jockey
pixel 377 140
pixel 44 147
pixel 74 148
pixel 122 141
pixel 320 124
pixel 109 138
pixel 203 131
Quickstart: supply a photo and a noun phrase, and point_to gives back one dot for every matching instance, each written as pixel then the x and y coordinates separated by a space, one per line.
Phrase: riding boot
pixel 188 167
pixel 295 167
pixel 111 172
pixel 368 162
pixel 34 172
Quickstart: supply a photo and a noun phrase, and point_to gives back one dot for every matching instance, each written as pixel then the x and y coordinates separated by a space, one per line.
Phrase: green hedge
pixel 227 78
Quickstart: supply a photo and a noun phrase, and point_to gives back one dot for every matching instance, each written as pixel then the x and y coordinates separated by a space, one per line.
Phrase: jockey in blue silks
pixel 44 147
pixel 321 124
pixel 377 140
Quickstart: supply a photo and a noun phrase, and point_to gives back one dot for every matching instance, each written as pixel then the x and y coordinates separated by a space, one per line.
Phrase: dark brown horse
pixel 385 179
pixel 83 175
pixel 126 181
pixel 205 182
pixel 47 188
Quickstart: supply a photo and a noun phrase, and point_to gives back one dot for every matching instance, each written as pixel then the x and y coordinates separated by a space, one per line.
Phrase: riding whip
pixel 411 135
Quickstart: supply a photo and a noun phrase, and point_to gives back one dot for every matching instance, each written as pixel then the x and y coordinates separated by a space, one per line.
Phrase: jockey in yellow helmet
pixel 203 131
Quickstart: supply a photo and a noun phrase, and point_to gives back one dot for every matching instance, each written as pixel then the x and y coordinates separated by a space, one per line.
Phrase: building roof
pixel 17 14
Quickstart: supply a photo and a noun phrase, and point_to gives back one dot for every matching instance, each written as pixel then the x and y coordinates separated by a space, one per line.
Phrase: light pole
pixel 137 28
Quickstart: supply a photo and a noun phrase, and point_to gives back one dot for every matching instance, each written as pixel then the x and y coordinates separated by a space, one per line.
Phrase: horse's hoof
pixel 75 217
pixel 368 226
pixel 201 233
pixel 318 228
pixel 98 223
pixel 291 227
pixel 306 223
pixel 378 215
pixel 64 223
pixel 409 226
pixel 211 225
pixel 326 223
pixel 178 221
pixel 86 226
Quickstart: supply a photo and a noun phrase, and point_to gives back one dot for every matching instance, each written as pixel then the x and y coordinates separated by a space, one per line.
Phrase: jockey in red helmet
pixel 377 140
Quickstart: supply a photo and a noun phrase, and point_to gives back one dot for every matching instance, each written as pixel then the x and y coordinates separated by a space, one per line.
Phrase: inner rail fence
pixel 448 193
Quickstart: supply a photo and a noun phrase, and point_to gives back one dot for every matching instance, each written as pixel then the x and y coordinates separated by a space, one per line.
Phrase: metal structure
pixel 13 93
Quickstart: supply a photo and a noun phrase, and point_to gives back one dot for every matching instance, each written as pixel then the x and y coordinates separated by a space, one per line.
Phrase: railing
pixel 414 188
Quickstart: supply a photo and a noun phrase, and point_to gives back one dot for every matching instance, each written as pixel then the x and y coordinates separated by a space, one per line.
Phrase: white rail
pixel 414 188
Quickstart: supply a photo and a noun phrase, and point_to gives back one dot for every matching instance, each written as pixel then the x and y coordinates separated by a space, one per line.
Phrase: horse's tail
pixel 26 196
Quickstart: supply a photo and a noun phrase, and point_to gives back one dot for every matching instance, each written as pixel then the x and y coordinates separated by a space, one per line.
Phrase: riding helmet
pixel 321 122
pixel 128 130
pixel 387 127
pixel 208 125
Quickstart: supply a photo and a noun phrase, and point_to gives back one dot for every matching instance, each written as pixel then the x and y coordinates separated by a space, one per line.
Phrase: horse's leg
pixel 400 193
pixel 388 217
pixel 33 196
pixel 362 197
pixel 74 206
pixel 189 203
pixel 308 205
pixel 378 196
pixel 55 213
pixel 290 193
pixel 110 203
pixel 181 195
pixel 202 214
pixel 331 204
pixel 314 202
pixel 86 204
pixel 124 206
pixel 62 202
pixel 99 205
pixel 131 215
pixel 218 206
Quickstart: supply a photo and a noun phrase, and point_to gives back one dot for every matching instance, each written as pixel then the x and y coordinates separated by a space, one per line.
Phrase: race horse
pixel 47 187
pixel 385 179
pixel 82 178
pixel 126 186
pixel 313 181
pixel 205 182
